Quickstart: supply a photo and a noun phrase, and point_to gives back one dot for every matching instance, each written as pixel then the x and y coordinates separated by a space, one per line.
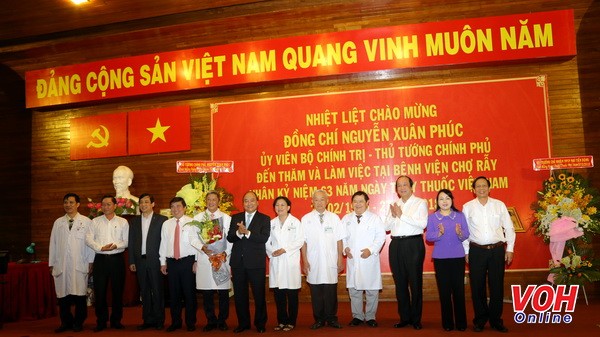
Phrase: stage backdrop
pixel 442 136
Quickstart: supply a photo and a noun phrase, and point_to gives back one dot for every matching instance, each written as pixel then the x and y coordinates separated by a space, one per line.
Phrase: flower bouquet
pixel 125 206
pixel 210 233
pixel 195 192
pixel 567 195
pixel 575 269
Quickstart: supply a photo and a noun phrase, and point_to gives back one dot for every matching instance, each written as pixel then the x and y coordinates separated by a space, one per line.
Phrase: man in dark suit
pixel 144 242
pixel 249 231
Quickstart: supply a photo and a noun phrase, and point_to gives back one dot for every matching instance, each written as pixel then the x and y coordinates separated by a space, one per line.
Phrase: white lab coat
pixel 364 274
pixel 321 246
pixel 284 270
pixel 69 256
pixel 204 276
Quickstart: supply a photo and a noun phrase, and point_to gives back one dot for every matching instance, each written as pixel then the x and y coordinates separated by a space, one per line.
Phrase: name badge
pixel 328 229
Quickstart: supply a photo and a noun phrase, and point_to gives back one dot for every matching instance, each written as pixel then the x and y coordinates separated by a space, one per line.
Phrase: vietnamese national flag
pixel 159 130
pixel 99 136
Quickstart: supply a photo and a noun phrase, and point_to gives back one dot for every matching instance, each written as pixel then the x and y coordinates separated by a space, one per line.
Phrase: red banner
pixel 204 166
pixel 489 39
pixel 159 130
pixel 563 163
pixel 99 136
pixel 442 136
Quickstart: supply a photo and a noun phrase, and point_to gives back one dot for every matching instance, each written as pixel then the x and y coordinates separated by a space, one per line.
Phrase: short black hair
pixel 287 201
pixel 481 177
pixel 143 195
pixel 68 195
pixel 357 193
pixel 113 199
pixel 177 199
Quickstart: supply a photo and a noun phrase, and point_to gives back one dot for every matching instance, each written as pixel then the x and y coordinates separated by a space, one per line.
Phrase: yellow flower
pixel 591 210
pixel 562 176
pixel 571 179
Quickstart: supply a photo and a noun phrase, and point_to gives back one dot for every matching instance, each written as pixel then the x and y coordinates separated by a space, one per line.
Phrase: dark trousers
pixel 487 263
pixel 255 277
pixel 182 286
pixel 450 276
pixel 324 302
pixel 286 301
pixel 152 293
pixel 209 305
pixel 406 262
pixel 64 307
pixel 109 267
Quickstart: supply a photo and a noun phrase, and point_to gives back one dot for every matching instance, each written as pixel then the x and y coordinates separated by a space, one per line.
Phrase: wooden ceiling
pixel 25 21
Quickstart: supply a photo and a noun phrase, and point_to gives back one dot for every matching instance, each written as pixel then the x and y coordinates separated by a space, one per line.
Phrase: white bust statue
pixel 122 179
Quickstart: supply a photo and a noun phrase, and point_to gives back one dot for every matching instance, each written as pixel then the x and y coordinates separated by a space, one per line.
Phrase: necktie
pixel 176 253
pixel 321 217
pixel 70 224
pixel 358 218
pixel 248 219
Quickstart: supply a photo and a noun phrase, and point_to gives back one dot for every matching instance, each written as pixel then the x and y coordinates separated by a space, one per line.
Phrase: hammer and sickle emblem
pixel 102 138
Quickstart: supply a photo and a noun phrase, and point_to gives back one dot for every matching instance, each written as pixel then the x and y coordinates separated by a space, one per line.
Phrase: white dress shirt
pixel 489 224
pixel 103 231
pixel 413 220
pixel 167 241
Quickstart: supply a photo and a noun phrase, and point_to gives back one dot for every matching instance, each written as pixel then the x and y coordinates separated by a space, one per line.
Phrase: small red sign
pixel 563 163
pixel 204 166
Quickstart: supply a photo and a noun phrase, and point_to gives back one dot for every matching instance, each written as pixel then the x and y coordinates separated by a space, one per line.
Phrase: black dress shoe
pixel 191 328
pixel 478 328
pixel 335 324
pixel 260 329
pixel 77 328
pixel 355 322
pixel 317 325
pixel 62 328
pixel 222 326
pixel 417 326
pixel 173 327
pixel 159 326
pixel 240 329
pixel 448 329
pixel 99 328
pixel 461 329
pixel 144 326
pixel 372 323
pixel 401 324
pixel 117 326
pixel 500 328
pixel 209 327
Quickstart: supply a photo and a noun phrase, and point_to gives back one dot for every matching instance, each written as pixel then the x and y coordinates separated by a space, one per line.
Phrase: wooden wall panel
pixel 573 89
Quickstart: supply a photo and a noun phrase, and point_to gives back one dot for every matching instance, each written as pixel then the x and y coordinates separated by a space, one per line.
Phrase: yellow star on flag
pixel 158 131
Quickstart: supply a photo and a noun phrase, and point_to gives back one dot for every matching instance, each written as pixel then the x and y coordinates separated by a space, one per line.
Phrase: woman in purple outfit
pixel 447 228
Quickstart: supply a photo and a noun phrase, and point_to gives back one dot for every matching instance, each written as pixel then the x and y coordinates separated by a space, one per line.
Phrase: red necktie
pixel 176 253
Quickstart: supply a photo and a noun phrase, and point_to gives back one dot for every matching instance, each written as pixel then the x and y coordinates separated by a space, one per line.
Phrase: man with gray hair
pixel 322 259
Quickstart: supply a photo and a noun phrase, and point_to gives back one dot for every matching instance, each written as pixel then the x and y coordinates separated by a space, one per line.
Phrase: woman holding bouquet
pixel 283 249
pixel 212 269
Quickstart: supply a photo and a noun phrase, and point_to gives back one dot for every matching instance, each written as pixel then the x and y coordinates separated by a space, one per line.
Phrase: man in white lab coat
pixel 322 259
pixel 70 261
pixel 365 236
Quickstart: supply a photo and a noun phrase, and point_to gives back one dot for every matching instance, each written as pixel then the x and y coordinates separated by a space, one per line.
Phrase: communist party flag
pixel 99 136
pixel 159 130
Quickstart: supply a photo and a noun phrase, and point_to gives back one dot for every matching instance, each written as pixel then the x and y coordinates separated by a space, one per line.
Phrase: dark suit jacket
pixel 250 252
pixel 152 241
